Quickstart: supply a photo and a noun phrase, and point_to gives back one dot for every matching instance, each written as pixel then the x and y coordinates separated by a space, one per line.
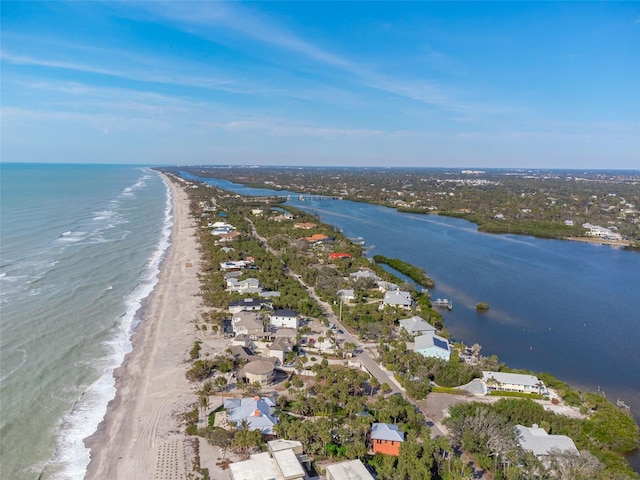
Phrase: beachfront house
pixel 432 345
pixel 261 371
pixel 416 326
pixel 228 237
pixel 245 286
pixel 257 411
pixel 351 469
pixel 284 318
pixel 538 441
pixel 397 298
pixel 247 323
pixel 512 382
pixel 283 460
pixel 386 439
pixel 248 305
pixel 233 265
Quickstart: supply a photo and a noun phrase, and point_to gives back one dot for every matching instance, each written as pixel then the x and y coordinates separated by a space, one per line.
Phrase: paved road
pixel 382 375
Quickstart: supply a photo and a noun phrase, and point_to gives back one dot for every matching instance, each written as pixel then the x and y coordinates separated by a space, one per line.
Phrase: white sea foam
pixel 89 410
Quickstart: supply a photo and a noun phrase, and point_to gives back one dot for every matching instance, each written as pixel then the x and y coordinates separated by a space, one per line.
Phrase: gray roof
pixel 248 302
pixel 398 297
pixel 364 274
pixel 416 324
pixel 258 467
pixel 429 340
pixel 349 470
pixel 261 366
pixel 537 440
pixel 288 464
pixel 255 410
pixel 386 431
pixel 512 378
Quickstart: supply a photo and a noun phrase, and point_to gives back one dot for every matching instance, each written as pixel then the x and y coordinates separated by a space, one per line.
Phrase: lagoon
pixel 568 308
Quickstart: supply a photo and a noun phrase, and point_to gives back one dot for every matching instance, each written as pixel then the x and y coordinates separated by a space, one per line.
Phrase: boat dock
pixel 442 303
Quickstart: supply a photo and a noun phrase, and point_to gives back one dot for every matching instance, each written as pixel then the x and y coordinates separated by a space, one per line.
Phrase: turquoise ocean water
pixel 80 248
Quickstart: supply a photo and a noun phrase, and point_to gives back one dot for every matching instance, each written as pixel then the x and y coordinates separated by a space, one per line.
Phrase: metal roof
pixel 386 431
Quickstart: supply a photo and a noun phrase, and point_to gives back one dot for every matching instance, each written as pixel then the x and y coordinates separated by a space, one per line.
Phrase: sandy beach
pixel 141 435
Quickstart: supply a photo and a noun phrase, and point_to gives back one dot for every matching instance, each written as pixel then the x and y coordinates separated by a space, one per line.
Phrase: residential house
pixel 364 274
pixel 512 382
pixel 243 340
pixel 351 470
pixel 416 326
pixel 248 305
pixel 347 295
pixel 432 345
pixel 538 441
pixel 279 349
pixel 233 265
pixel 269 294
pixel 281 461
pixel 284 318
pixel 282 217
pixel 387 286
pixel 242 353
pixel 318 237
pixel 397 298
pixel 257 411
pixel 386 438
pixel 247 323
pixel 227 237
pixel 245 286
pixel 339 255
pixel 261 370
pixel 305 226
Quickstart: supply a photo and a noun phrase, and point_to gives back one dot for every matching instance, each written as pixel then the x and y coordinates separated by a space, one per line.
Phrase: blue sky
pixel 508 84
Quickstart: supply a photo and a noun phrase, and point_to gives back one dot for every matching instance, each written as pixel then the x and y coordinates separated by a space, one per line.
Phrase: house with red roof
pixel 337 255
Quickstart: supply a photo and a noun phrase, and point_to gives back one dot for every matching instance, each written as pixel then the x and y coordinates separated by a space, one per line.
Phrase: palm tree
pixel 204 404
pixel 220 383
pixel 373 383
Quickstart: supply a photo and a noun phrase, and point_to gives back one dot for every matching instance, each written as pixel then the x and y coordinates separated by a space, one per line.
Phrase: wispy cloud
pixel 209 18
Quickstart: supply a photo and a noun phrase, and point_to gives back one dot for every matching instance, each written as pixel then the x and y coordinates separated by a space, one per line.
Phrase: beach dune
pixel 141 435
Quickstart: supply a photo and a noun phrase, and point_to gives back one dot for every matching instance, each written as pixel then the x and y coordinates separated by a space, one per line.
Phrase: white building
pixel 397 298
pixel 349 470
pixel 417 326
pixel 538 441
pixel 281 462
pixel 284 318
pixel 512 382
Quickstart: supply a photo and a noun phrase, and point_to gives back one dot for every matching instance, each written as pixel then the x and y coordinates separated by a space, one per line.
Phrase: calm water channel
pixel 568 308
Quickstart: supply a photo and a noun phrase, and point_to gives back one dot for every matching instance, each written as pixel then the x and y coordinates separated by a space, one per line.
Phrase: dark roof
pixel 285 312
pixel 243 302
pixel 440 343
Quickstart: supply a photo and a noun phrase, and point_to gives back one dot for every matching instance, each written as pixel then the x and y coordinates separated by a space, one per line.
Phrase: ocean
pixel 80 250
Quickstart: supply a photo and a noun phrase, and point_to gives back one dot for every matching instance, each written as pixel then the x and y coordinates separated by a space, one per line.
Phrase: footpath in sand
pixel 141 435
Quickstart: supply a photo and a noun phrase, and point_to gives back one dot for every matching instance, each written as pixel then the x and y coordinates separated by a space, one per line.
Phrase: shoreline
pixel 142 422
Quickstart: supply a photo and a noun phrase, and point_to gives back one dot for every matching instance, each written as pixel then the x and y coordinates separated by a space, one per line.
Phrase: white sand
pixel 141 435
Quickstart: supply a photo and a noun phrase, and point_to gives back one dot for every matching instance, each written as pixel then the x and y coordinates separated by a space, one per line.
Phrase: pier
pixel 442 303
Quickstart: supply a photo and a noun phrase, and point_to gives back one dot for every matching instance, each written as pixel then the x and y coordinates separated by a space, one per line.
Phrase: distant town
pixel 329 366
